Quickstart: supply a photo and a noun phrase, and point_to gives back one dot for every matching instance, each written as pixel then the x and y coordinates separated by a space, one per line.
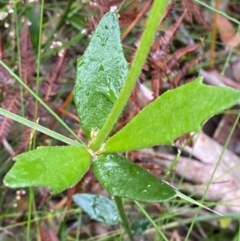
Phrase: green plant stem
pixel 60 23
pixel 231 51
pixel 121 7
pixel 34 139
pixel 123 217
pixel 29 214
pixel 19 55
pixel 212 176
pixel 64 16
pixel 40 100
pixel 39 128
pixel 151 221
pixel 234 20
pixel 155 16
pixel 39 55
pixel 74 40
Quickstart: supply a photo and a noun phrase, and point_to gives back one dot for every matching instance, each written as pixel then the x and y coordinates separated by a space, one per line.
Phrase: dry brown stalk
pixel 12 104
pixel 27 57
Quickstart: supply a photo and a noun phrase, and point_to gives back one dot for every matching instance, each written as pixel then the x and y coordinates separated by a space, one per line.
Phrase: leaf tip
pixel 10 181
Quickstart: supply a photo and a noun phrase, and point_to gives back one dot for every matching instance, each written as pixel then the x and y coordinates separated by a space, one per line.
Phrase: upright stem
pixel 123 217
pixel 152 222
pixel 154 18
pixel 29 214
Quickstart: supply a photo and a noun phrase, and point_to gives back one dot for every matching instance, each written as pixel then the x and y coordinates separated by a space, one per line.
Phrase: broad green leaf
pixel 57 167
pixel 173 114
pixel 98 207
pixel 100 75
pixel 121 177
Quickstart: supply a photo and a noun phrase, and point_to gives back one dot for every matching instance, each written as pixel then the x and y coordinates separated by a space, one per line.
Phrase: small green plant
pixel 100 95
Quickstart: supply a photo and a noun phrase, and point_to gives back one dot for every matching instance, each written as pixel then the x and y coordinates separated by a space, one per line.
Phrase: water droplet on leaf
pixel 101 68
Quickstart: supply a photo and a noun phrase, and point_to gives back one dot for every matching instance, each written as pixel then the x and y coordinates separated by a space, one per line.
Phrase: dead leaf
pixel 213 77
pixel 233 42
pixel 225 28
pixel 225 184
pixel 47 234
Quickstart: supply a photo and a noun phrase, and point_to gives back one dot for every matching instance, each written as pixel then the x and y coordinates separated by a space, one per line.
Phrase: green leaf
pixel 121 177
pixel 140 226
pixel 173 114
pixel 57 168
pixel 98 207
pixel 34 27
pixel 100 75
